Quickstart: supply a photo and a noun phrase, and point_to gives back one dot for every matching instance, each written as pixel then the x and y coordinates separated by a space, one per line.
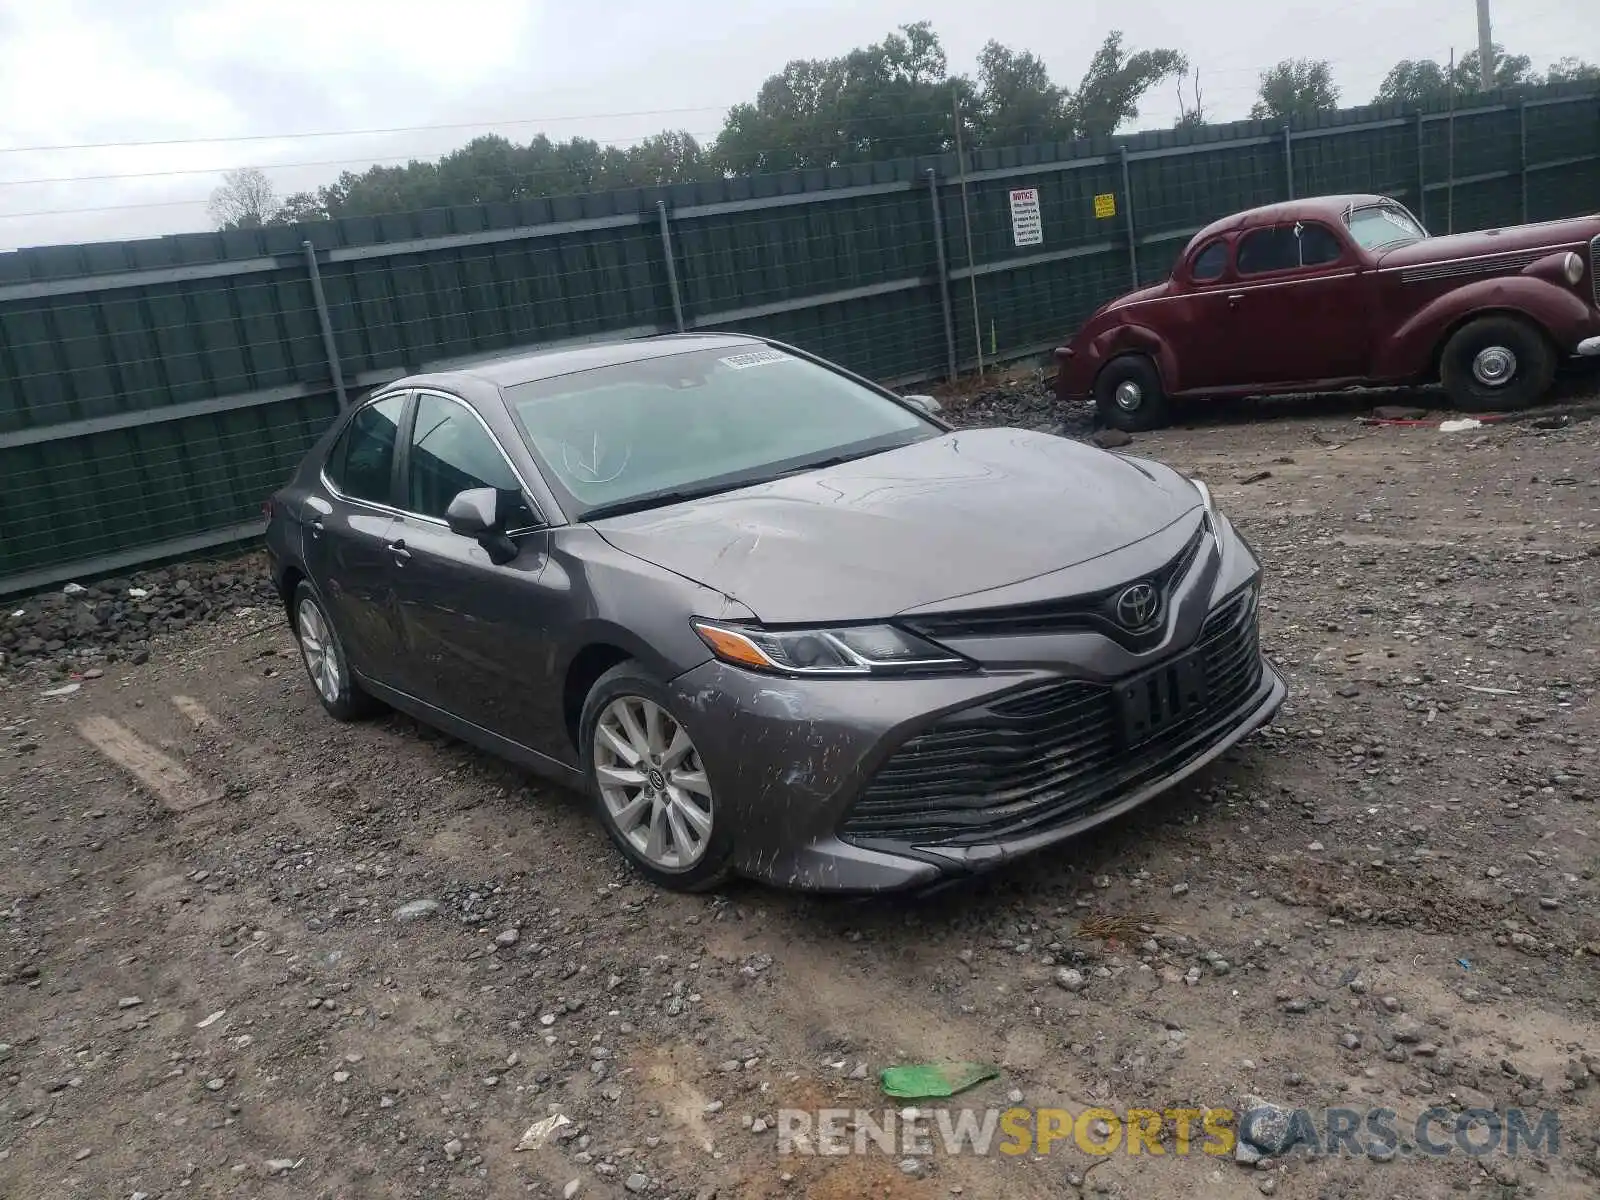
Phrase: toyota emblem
pixel 1137 605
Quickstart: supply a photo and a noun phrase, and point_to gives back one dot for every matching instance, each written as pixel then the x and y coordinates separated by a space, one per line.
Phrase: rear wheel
pixel 650 785
pixel 324 658
pixel 1128 395
pixel 1496 363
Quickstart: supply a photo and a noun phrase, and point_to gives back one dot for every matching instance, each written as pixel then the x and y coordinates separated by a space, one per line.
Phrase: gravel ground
pixel 248 951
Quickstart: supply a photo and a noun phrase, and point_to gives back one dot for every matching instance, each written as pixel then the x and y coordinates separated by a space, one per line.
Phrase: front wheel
pixel 1495 364
pixel 649 784
pixel 1128 395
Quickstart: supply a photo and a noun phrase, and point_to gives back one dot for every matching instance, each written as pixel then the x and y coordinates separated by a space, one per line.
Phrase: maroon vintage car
pixel 1344 291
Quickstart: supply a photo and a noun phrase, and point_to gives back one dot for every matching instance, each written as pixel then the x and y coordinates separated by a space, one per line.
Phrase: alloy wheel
pixel 322 658
pixel 653 783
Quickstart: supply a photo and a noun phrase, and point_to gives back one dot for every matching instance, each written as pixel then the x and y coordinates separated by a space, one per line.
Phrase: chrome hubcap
pixel 1129 395
pixel 316 644
pixel 653 783
pixel 1494 366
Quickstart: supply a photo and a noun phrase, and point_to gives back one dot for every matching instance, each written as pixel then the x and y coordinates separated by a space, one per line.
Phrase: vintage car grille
pixel 1091 611
pixel 1049 754
pixel 1594 269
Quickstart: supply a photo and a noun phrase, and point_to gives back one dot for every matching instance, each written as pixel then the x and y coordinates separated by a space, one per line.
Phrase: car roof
pixel 511 368
pixel 1308 208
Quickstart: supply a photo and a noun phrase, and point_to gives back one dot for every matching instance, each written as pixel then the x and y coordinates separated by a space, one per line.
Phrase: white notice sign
pixel 1026 228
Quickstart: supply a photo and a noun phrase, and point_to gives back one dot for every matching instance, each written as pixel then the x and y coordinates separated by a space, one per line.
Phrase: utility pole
pixel 966 220
pixel 1485 48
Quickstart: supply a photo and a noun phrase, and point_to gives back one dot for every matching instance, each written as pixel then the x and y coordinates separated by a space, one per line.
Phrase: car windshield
pixel 656 430
pixel 1381 225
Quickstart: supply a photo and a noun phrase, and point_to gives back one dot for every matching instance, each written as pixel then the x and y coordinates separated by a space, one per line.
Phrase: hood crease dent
pixel 955 515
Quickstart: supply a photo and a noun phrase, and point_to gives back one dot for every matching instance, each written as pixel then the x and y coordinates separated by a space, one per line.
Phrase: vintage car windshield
pixel 649 432
pixel 1381 225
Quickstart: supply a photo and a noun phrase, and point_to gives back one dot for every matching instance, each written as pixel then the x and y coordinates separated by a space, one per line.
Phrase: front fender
pixel 1411 351
pixel 1133 339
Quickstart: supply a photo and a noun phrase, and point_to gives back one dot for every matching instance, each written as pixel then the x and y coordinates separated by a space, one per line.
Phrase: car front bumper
pixel 802 767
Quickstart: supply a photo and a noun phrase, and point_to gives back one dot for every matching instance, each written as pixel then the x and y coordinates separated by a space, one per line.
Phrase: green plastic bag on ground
pixel 926 1081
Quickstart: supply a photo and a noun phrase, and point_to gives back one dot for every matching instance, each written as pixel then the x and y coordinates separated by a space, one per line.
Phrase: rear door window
pixel 1211 262
pixel 361 463
pixel 1288 248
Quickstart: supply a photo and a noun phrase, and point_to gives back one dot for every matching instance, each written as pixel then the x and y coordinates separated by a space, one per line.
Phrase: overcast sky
pixel 227 83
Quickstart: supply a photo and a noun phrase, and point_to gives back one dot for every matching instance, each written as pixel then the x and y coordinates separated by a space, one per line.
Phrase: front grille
pixel 1594 269
pixel 1089 611
pixel 1048 754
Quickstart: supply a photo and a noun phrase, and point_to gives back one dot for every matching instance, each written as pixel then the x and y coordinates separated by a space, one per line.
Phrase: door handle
pixel 316 529
pixel 1234 298
pixel 401 554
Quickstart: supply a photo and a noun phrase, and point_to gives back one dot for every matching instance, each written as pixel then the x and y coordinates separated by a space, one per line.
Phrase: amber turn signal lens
pixel 732 647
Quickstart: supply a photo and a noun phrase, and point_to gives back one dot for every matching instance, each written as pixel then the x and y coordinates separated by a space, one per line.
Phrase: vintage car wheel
pixel 1128 394
pixel 1496 363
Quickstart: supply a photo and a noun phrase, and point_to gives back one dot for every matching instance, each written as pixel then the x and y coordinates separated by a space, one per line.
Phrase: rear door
pixel 346 547
pixel 479 635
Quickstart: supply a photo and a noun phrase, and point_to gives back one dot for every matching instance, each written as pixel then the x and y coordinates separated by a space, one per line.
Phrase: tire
pixel 1128 395
pixel 1480 348
pixel 320 646
pixel 706 859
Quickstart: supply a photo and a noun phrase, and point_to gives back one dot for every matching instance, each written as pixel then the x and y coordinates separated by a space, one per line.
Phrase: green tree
pixel 894 98
pixel 1421 81
pixel 1413 81
pixel 1296 87
pixel 885 100
pixel 1510 70
pixel 1570 70
pixel 1016 103
pixel 672 156
pixel 890 99
pixel 1109 93
pixel 492 169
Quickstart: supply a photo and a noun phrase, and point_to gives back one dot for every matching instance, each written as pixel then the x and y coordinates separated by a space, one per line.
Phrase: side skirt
pixel 543 765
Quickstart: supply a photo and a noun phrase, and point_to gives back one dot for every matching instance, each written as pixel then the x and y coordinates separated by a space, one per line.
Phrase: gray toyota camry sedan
pixel 774 619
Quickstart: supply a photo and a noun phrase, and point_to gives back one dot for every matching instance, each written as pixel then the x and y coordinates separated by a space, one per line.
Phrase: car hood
pixel 962 513
pixel 1153 292
pixel 1545 234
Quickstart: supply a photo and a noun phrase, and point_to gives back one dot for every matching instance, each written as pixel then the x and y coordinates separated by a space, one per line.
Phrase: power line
pixel 330 133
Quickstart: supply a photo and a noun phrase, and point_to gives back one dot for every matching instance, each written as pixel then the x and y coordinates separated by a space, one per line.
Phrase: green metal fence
pixel 152 393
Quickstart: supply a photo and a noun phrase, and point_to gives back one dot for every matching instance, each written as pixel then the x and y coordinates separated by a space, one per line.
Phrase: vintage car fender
pixel 1124 338
pixel 1413 349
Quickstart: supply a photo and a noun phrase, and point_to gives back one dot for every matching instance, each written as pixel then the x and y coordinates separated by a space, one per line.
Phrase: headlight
pixel 846 650
pixel 1572 268
pixel 1211 505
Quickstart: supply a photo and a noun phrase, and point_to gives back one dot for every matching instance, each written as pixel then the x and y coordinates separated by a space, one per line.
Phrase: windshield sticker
pixel 754 358
pixel 1396 220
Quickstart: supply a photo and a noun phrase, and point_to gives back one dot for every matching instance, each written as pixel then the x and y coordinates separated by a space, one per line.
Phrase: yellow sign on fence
pixel 1105 205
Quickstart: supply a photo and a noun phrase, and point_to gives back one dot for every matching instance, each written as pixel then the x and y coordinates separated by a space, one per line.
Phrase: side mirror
pixel 926 403
pixel 474 513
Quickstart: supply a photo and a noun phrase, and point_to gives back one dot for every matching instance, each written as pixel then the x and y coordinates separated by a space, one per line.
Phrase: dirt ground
pixel 1388 899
